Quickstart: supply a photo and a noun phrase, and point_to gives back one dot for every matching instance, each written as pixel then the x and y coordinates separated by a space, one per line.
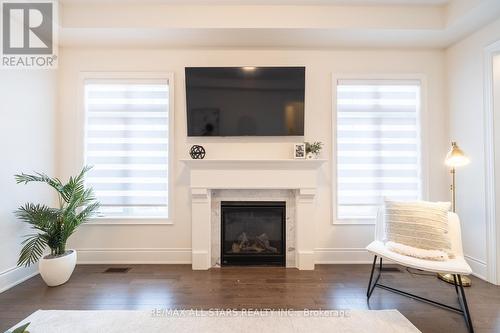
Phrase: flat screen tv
pixel 245 101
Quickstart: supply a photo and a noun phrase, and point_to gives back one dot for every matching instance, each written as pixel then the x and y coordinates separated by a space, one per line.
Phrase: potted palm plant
pixel 53 226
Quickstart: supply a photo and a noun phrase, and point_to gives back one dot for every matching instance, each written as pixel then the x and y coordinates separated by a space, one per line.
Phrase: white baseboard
pixel 15 275
pixel 343 256
pixel 184 256
pixel 479 267
pixel 134 256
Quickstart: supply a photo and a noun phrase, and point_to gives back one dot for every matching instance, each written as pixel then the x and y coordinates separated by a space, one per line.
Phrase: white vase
pixel 312 156
pixel 57 270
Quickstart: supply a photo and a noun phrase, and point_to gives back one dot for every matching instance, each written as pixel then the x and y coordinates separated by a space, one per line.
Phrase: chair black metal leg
pixel 371 286
pixel 456 284
pixel 459 289
pixel 463 304
pixel 371 277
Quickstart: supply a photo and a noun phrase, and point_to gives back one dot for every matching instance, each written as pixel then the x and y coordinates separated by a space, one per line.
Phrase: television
pixel 245 101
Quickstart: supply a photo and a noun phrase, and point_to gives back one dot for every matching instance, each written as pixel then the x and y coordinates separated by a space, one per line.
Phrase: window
pixel 127 143
pixel 378 145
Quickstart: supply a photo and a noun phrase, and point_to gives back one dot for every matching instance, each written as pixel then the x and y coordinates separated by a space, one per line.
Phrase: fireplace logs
pixel 258 245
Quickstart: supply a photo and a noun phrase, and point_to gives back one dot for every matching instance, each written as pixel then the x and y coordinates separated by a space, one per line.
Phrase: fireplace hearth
pixel 253 233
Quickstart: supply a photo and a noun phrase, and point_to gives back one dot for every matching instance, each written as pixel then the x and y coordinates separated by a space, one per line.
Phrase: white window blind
pixel 378 145
pixel 127 143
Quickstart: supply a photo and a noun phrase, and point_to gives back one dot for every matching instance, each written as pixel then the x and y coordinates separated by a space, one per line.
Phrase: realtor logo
pixel 28 34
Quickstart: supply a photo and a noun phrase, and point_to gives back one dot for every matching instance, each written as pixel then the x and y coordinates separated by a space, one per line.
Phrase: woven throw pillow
pixel 418 225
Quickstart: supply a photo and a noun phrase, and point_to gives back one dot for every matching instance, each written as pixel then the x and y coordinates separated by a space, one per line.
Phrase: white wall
pixel 171 243
pixel 465 76
pixel 27 144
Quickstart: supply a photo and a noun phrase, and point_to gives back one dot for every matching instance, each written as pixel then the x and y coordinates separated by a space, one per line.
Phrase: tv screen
pixel 245 101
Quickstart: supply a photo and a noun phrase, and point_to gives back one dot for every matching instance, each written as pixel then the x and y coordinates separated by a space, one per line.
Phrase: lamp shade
pixel 456 157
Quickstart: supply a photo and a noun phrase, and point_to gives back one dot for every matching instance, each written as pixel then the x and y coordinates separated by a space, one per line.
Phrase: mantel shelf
pixel 255 164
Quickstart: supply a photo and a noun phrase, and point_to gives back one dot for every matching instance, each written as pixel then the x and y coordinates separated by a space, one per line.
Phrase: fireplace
pixel 213 181
pixel 253 233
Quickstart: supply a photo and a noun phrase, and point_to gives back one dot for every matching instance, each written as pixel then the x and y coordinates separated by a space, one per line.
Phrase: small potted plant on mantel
pixel 53 226
pixel 313 149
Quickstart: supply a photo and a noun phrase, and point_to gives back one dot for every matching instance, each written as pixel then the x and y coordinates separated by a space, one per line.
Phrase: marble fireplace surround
pixel 292 181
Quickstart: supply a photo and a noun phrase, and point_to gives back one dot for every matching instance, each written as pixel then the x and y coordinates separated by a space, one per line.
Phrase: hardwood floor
pixel 177 286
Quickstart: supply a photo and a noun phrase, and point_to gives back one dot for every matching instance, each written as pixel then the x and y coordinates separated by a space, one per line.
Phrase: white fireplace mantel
pixel 207 175
pixel 268 163
pixel 248 174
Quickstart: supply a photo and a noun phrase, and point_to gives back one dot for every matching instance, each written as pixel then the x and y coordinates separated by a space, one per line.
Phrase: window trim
pixel 422 132
pixel 80 140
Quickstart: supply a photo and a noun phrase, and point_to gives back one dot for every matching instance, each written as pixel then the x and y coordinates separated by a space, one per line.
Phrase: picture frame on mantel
pixel 299 151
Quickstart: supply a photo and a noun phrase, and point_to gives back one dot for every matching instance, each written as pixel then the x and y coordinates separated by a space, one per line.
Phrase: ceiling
pixel 433 24
pixel 271 2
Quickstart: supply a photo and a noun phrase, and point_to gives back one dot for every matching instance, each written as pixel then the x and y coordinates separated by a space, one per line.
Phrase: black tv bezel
pixel 303 67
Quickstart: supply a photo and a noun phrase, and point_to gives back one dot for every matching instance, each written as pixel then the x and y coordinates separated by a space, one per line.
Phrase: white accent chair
pixel 456 266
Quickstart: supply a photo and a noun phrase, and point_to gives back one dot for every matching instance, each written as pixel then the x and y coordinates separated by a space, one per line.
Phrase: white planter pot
pixel 58 270
pixel 312 156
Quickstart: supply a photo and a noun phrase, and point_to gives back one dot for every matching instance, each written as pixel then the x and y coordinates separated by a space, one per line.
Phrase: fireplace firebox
pixel 253 233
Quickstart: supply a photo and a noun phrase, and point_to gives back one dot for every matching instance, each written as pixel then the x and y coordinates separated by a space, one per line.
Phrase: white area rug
pixel 355 321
